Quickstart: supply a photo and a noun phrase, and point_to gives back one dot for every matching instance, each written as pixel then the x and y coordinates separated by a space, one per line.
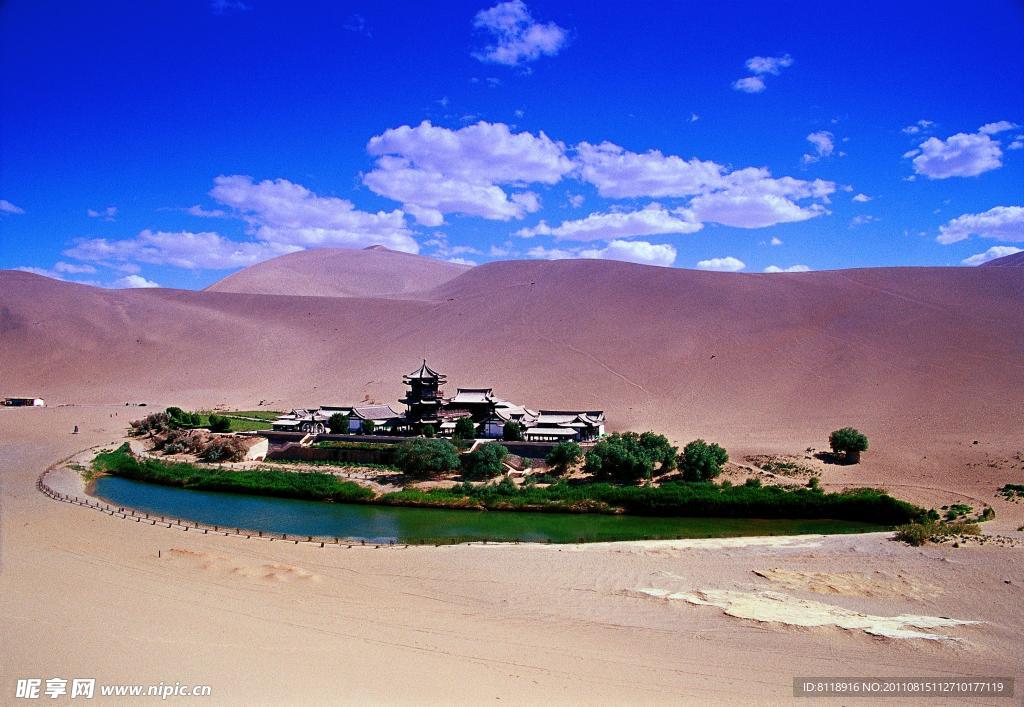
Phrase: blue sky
pixel 175 142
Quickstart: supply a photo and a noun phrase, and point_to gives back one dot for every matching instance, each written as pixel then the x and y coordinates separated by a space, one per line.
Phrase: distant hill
pixel 1014 260
pixel 342 272
pixel 926 354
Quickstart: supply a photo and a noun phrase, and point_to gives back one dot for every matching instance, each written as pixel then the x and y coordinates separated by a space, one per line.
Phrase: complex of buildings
pixel 428 410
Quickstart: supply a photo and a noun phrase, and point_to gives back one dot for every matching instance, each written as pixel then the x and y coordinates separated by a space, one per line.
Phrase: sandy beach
pixel 85 594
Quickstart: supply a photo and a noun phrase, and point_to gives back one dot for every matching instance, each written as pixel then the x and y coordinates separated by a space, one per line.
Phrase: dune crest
pixel 342 272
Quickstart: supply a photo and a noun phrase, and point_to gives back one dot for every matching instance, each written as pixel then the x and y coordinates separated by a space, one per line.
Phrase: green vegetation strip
pixel 702 499
pixel 312 485
pixel 674 499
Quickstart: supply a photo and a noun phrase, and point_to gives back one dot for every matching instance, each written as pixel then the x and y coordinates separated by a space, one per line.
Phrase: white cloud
pixel 823 146
pixel 862 219
pixel 198 210
pixel 862 198
pixel 181 249
pixel 73 268
pixel 1002 223
pixel 620 174
pixel 516 37
pixel 576 200
pixel 1015 145
pixel 918 127
pixel 435 171
pixel 357 24
pixel 462 261
pixel 749 198
pixel 107 214
pixel 960 155
pixel 791 268
pixel 542 253
pixel 654 219
pixel 761 66
pixel 775 240
pixel 443 249
pixel 997 127
pixel 996 251
pixel 753 199
pixel 133 282
pixel 39 271
pixel 290 216
pixel 769 64
pixel 749 84
pixel 640 252
pixel 7 207
pixel 694 117
pixel 726 264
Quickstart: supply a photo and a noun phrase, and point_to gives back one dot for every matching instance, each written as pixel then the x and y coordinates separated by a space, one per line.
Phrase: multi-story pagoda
pixel 424 397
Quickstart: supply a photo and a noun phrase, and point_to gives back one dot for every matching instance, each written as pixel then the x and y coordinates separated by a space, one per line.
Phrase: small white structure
pixel 25 402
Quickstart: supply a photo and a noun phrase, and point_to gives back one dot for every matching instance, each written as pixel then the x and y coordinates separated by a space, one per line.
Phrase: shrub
pixel 485 462
pixel 702 461
pixel 848 442
pixel 219 423
pixel 464 428
pixel 563 455
pixel 920 533
pixel 156 423
pixel 512 432
pixel 423 458
pixel 368 427
pixel 224 449
pixel 338 423
pixel 429 431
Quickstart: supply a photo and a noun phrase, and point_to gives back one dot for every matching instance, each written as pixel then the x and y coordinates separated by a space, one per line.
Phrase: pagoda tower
pixel 424 397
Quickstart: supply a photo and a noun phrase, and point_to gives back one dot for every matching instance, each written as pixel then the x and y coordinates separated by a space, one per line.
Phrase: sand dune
pixel 342 272
pixel 925 360
pixel 1015 260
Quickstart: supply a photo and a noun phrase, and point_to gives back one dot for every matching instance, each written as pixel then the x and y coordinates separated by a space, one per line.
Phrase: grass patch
pixel 258 414
pixel 343 464
pixel 312 485
pixel 676 499
pixel 930 531
pixel 237 425
pixel 338 444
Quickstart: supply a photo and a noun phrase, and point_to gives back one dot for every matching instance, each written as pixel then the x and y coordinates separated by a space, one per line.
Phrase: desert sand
pixel 84 594
pixel 926 361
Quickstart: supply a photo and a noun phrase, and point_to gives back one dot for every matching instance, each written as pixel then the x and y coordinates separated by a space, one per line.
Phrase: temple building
pixel 426 407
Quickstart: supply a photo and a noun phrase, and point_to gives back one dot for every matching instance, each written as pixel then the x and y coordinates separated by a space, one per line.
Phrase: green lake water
pixel 386 524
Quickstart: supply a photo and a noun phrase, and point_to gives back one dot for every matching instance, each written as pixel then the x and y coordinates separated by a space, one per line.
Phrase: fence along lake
pixel 387 524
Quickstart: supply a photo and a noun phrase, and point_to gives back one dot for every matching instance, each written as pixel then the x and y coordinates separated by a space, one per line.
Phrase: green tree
pixel 849 442
pixel 512 431
pixel 563 455
pixel 368 427
pixel 702 461
pixel 620 457
pixel 429 431
pixel 485 462
pixel 661 449
pixel 464 428
pixel 424 458
pixel 338 423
